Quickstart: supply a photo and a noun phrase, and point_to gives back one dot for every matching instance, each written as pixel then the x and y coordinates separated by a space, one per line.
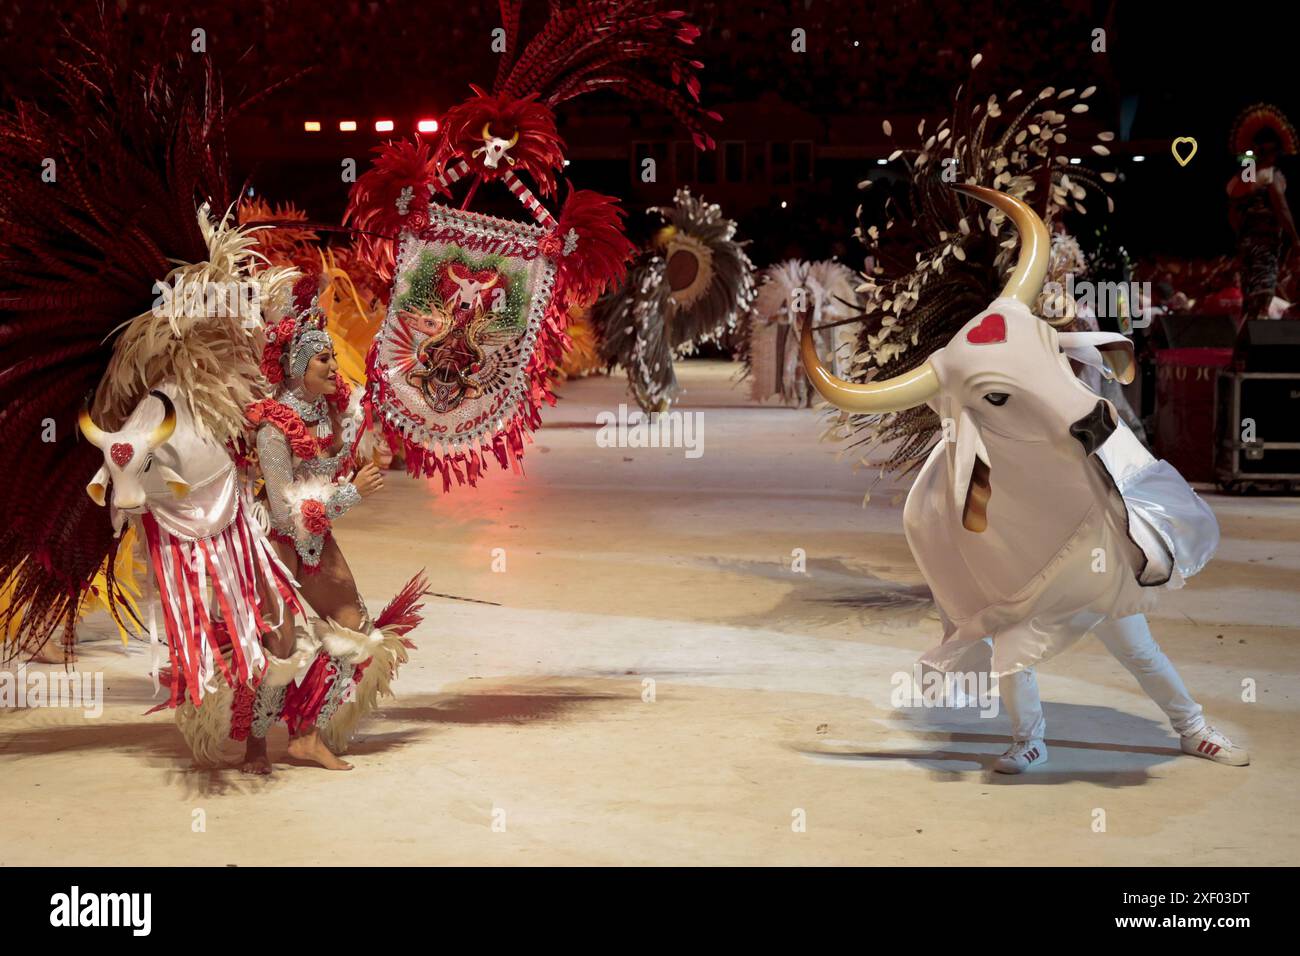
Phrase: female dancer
pixel 306 439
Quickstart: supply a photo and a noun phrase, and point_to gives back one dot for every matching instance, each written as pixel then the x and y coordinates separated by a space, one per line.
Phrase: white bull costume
pixel 209 559
pixel 1039 517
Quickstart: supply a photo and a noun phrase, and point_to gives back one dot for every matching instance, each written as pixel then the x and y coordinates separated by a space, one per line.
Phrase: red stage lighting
pixel 427 126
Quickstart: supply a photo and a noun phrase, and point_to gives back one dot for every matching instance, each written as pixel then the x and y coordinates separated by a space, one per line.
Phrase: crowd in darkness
pixel 860 56
pixel 893 56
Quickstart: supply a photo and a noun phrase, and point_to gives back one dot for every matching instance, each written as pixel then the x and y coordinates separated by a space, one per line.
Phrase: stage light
pixel 1075 161
pixel 566 162
pixel 311 126
pixel 882 162
pixel 1139 159
pixel 347 126
pixel 383 126
pixel 427 126
pixel 783 203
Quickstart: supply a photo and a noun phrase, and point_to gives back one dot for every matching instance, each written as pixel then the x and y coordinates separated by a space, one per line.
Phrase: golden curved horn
pixel 1026 280
pixel 486 134
pixel 94 434
pixel 168 424
pixel 891 395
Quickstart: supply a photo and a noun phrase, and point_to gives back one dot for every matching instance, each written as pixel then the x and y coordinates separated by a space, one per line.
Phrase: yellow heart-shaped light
pixel 1180 141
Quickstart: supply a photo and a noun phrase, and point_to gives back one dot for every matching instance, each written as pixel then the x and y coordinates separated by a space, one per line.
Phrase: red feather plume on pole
pixel 377 208
pixel 601 252
pixel 135 150
pixel 630 47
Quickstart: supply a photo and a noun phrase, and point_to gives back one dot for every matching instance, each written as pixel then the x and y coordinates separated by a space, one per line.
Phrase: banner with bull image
pixel 449 372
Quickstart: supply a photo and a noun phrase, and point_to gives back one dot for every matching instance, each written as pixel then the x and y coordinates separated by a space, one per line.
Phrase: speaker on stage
pixel 1268 345
pixel 1190 350
pixel 1194 332
pixel 1258 409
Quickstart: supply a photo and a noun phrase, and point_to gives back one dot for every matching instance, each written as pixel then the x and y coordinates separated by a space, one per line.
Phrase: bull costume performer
pixel 151 409
pixel 1038 517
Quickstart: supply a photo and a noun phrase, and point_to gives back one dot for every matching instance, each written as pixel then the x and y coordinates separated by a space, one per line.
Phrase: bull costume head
pixel 494 148
pixel 130 462
pixel 1005 378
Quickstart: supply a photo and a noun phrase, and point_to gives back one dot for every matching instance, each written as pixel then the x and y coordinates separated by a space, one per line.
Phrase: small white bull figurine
pixel 1039 517
pixel 185 491
pixel 145 458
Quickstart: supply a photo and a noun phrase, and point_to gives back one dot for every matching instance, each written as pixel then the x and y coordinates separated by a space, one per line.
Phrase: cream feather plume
pixel 201 334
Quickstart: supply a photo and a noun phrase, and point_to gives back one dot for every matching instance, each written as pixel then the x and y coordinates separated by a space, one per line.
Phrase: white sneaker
pixel 1213 745
pixel 1022 755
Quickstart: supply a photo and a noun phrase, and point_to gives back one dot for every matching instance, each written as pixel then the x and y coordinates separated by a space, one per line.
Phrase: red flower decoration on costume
pixel 304 445
pixel 417 221
pixel 342 393
pixel 271 368
pixel 284 331
pixel 304 290
pixel 550 245
pixel 278 338
pixel 313 517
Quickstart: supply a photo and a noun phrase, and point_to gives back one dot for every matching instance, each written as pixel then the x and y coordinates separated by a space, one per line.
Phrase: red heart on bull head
pixel 121 453
pixel 992 329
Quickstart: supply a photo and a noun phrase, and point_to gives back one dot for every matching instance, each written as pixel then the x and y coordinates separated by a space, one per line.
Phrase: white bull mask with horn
pixel 154 463
pixel 1038 513
pixel 1006 374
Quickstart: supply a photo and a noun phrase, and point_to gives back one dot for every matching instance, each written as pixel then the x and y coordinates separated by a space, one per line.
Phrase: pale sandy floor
pixel 769 701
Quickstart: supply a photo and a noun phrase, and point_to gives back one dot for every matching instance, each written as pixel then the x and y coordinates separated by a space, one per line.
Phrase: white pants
pixel 1130 640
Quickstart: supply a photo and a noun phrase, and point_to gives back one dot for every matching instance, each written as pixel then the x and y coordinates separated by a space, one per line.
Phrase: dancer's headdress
pixel 298 337
pixel 1263 118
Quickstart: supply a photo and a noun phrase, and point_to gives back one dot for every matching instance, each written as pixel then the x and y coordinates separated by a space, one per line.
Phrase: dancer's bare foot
pixel 255 759
pixel 311 748
pixel 54 652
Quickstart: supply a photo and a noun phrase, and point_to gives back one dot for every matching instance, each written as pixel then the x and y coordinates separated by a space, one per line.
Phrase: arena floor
pixel 654 684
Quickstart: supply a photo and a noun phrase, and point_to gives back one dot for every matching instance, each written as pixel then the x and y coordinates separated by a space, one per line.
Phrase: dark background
pixel 800 128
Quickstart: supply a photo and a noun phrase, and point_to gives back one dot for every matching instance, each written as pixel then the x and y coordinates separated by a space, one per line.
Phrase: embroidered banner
pixel 448 371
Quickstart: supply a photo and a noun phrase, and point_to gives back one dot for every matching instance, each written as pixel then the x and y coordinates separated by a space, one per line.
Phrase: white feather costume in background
pixel 770 336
